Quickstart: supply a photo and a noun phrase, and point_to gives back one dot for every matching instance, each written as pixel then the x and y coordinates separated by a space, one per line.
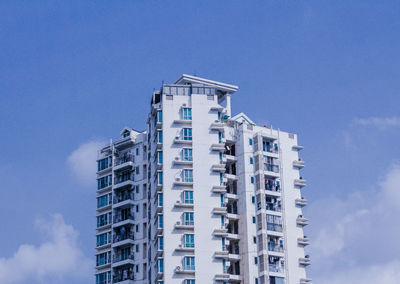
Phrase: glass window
pixel 160 265
pixel 188 218
pixel 159 116
pixel 187 154
pixel 160 200
pixel 190 281
pixel 189 240
pixel 189 263
pixel 221 178
pixel 159 136
pixel 188 175
pixel 187 134
pixel 188 197
pixel 160 178
pixel 251 160
pixel 104 182
pixel 187 113
pixel 250 141
pixel 160 221
pixel 219 137
pixel 160 157
pixel 160 243
pixel 252 179
pixel 104 164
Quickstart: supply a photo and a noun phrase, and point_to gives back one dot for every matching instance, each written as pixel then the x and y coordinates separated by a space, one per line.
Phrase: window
pixel 189 241
pixel 103 220
pixel 103 239
pixel 251 160
pixel 221 178
pixel 187 154
pixel 159 136
pixel 223 243
pixel 188 218
pixel 126 134
pixel 102 259
pixel 220 156
pixel 187 134
pixel 160 178
pixel 104 164
pixel 219 115
pixel 222 200
pixel 160 157
pixel 104 182
pixel 104 200
pixel 250 141
pixel 187 113
pixel 219 137
pixel 189 263
pixel 160 200
pixel 255 240
pixel 253 199
pixel 188 197
pixel 254 220
pixel 137 151
pixel 160 243
pixel 160 265
pixel 188 175
pixel 160 221
pixel 256 260
pixel 252 179
pixel 190 281
pixel 159 116
pixel 222 221
pixel 103 278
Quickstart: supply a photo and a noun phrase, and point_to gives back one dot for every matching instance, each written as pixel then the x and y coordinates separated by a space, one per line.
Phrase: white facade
pixel 200 196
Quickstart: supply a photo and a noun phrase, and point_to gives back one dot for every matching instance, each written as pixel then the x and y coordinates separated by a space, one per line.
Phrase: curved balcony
pixel 298 164
pixel 305 261
pixel 301 221
pixel 301 202
pixel 187 225
pixel 304 241
pixel 300 182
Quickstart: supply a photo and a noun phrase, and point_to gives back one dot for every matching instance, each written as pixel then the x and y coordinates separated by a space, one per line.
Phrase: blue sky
pixel 73 73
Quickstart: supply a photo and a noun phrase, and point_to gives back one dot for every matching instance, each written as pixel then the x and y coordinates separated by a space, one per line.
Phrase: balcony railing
pixel 274 227
pixel 122 257
pixel 122 197
pixel 273 207
pixel 276 268
pixel 271 168
pixel 275 247
pixel 121 237
pixel 120 218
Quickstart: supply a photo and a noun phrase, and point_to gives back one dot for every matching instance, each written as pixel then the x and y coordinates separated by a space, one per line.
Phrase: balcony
pixel 180 204
pixel 301 202
pixel 123 239
pixel 183 121
pixel 179 140
pixel 123 220
pixel 305 261
pixel 219 188
pixel 218 167
pixel 275 249
pixel 125 277
pixel 217 125
pixel 186 225
pixel 274 227
pixel 305 280
pixel 232 196
pixel 230 177
pixel 185 247
pixel 185 270
pixel 297 147
pixel 218 146
pixel 121 259
pixel 275 207
pixel 221 254
pixel 119 183
pixel 304 241
pixel 230 158
pixel 273 190
pixel 219 210
pixel 221 232
pixel 301 221
pixel 298 164
pixel 183 182
pixel 224 277
pixel 300 182
pixel 183 162
pixel 124 163
pixel 276 268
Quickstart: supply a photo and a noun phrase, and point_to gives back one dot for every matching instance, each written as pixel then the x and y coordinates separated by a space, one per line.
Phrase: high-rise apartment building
pixel 201 196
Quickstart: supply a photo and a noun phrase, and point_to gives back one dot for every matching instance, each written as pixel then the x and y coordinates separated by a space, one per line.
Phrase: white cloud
pixel 358 235
pixel 378 122
pixel 57 258
pixel 82 162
